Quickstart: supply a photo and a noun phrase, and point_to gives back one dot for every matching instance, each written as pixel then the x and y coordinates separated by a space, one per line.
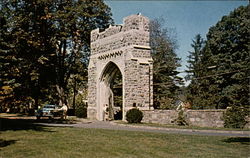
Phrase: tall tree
pixel 166 62
pixel 73 22
pixel 225 61
pixel 8 64
pixel 195 71
pixel 24 22
pixel 50 39
pixel 229 43
pixel 194 58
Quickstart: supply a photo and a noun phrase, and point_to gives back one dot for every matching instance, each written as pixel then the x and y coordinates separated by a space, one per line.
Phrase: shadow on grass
pixel 242 140
pixel 4 143
pixel 20 124
pixel 56 121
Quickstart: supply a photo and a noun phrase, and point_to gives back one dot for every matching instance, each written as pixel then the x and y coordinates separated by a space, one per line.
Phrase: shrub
pixel 71 112
pixel 234 117
pixel 81 111
pixel 80 106
pixel 134 116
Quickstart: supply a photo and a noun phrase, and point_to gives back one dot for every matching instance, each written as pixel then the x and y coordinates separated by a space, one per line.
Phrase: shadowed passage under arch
pixel 111 93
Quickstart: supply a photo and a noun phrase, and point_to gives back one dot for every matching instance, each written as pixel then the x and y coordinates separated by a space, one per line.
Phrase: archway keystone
pixel 123 48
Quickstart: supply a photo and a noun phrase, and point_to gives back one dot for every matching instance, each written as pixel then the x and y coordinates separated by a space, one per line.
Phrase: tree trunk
pixel 60 91
pixel 36 103
pixel 74 96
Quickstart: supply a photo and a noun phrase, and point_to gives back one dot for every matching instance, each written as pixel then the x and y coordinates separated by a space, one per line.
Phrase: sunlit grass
pixel 181 127
pixel 77 142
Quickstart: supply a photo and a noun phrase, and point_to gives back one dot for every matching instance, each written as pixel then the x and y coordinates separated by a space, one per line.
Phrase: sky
pixel 188 18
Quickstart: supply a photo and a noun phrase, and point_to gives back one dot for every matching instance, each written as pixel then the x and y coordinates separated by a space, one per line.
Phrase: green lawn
pixel 181 127
pixel 56 142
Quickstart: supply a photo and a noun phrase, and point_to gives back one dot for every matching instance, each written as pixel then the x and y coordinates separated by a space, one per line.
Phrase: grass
pixel 182 127
pixel 62 142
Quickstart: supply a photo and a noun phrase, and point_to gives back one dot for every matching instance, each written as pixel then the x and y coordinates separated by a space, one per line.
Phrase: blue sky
pixel 188 18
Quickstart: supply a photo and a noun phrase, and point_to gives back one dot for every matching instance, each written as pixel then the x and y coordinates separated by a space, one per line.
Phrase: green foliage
pixel 8 67
pixel 166 103
pixel 166 62
pixel 81 107
pixel 81 111
pixel 134 115
pixel 44 44
pixel 194 58
pixel 235 117
pixel 74 21
pixel 222 78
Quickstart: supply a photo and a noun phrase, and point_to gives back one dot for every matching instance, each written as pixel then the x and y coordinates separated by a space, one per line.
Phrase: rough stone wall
pixel 205 118
pixel 159 116
pixel 138 85
pixel 92 94
pixel 130 80
pixel 201 118
pixel 127 46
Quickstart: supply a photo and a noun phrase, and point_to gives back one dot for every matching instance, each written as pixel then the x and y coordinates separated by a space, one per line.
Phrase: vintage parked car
pixel 46 111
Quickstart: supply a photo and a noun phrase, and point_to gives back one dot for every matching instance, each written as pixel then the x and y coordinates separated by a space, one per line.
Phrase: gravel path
pixel 115 126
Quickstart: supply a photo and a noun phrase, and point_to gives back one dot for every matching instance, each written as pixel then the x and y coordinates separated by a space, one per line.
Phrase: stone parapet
pixel 134 31
pixel 132 22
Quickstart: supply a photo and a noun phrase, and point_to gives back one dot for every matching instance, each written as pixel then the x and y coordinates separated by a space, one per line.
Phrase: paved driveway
pixel 116 126
pixel 84 123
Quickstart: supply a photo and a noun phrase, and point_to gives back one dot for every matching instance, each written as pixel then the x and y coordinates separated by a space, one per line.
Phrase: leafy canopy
pixel 47 44
pixel 223 77
pixel 163 45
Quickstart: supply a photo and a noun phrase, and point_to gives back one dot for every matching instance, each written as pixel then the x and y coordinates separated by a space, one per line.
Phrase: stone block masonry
pixel 199 118
pixel 205 118
pixel 123 48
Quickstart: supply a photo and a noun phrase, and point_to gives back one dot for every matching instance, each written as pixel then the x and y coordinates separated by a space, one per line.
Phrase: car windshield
pixel 49 106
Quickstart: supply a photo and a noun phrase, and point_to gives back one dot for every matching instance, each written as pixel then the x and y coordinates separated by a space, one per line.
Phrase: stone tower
pixel 123 48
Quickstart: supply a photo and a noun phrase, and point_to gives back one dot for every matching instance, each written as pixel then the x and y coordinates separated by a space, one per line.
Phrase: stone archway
pixel 124 48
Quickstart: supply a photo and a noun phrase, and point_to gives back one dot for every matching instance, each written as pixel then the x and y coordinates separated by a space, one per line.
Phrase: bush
pixel 234 117
pixel 71 112
pixel 81 111
pixel 134 116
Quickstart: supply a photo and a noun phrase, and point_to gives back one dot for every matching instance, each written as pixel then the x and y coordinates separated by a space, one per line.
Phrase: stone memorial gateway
pixel 120 49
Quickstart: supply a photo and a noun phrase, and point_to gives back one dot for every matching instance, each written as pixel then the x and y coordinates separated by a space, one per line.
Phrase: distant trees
pixel 166 62
pixel 195 71
pixel 194 58
pixel 222 78
pixel 44 44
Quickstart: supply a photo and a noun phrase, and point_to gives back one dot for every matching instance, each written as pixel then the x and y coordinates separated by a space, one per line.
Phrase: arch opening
pixel 111 102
